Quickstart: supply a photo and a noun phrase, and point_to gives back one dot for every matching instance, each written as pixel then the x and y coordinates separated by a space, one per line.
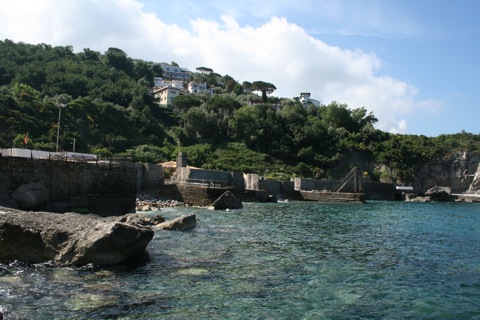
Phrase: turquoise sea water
pixel 297 260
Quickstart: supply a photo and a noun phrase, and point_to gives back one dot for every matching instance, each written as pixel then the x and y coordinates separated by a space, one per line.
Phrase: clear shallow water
pixel 297 260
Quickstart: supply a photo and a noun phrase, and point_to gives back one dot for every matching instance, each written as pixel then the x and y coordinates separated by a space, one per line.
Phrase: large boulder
pixel 70 238
pixel 183 223
pixel 31 196
pixel 438 193
pixel 226 201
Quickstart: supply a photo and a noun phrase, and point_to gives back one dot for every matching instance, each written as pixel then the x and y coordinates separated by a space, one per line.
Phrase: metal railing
pixel 203 182
pixel 39 154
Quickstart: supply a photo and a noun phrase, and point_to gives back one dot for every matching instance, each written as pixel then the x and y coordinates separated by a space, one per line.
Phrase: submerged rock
pixel 70 238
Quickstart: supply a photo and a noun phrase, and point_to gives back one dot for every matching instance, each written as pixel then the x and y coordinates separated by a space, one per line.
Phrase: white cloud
pixel 277 51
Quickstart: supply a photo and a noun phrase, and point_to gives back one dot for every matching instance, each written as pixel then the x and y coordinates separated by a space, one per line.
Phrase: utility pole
pixel 60 106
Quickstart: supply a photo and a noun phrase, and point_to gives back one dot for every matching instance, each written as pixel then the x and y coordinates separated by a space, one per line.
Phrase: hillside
pixel 109 110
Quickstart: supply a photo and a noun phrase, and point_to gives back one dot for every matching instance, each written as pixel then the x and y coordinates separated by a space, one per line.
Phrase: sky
pixel 414 63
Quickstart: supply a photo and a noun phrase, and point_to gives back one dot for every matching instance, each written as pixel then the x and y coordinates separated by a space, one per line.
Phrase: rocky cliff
pixel 455 171
pixel 475 186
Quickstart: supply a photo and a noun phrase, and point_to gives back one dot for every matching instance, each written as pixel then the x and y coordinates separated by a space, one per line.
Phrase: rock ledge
pixel 70 238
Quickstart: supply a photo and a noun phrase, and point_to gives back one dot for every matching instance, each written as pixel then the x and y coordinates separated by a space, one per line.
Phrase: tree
pixel 204 70
pixel 338 116
pixel 157 70
pixel 143 70
pixel 23 92
pixel 264 87
pixel 222 107
pixel 247 85
pixel 238 89
pixel 89 55
pixel 118 59
pixel 197 124
pixel 184 102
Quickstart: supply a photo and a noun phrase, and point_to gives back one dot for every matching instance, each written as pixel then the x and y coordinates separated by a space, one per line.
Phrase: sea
pixel 292 260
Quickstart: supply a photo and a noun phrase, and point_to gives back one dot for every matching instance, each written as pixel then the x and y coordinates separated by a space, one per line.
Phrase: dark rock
pixel 70 238
pixel 226 201
pixel 440 194
pixel 31 196
pixel 183 223
pixel 144 221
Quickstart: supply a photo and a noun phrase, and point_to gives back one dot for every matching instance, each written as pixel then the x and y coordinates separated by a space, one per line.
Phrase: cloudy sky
pixel 414 63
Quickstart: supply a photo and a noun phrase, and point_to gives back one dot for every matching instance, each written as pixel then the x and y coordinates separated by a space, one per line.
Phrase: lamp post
pixel 60 106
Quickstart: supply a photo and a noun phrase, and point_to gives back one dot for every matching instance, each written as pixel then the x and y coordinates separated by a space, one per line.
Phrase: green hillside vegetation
pixel 109 110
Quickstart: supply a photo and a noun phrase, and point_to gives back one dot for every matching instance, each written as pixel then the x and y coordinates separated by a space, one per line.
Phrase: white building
pixel 194 87
pixel 175 73
pixel 160 82
pixel 305 99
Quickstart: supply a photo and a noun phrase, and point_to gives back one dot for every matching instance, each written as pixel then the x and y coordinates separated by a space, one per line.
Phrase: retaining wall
pixel 102 188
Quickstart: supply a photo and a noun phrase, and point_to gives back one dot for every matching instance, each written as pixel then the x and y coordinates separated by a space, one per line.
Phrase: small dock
pixel 328 196
pixel 336 195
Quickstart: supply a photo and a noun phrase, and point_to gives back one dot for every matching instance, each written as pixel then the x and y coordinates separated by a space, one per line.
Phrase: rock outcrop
pixel 183 223
pixel 440 194
pixel 70 238
pixel 226 201
pixel 475 186
pixel 454 171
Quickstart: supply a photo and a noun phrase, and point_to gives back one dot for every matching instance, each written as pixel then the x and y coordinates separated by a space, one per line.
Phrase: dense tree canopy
pixel 109 110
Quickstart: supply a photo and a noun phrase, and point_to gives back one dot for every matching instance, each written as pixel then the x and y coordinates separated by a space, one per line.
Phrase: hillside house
pixel 160 82
pixel 175 73
pixel 165 95
pixel 194 87
pixel 305 99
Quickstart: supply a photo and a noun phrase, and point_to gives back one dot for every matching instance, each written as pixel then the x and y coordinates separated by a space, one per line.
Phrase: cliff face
pixel 456 171
pixel 475 186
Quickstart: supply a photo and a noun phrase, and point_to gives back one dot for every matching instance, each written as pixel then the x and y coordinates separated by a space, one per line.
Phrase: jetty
pixel 336 194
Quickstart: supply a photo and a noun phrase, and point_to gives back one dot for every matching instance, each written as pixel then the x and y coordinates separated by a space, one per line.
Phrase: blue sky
pixel 415 64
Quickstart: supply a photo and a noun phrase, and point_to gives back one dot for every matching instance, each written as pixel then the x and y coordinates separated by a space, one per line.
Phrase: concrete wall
pixel 251 181
pixel 194 195
pixel 102 188
pixel 209 177
pixel 149 176
pixel 278 188
pixel 282 189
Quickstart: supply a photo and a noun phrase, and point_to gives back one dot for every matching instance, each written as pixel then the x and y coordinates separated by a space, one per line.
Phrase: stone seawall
pixel 373 190
pixel 101 188
pixel 193 195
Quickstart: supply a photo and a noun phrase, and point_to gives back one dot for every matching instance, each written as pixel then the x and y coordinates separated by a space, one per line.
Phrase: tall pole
pixel 58 127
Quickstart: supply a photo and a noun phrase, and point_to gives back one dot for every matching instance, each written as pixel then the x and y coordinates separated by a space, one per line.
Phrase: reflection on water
pixel 381 260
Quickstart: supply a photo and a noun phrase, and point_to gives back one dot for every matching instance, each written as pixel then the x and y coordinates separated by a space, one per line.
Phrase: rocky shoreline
pixel 80 239
pixel 151 204
pixel 442 194
pixel 71 238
